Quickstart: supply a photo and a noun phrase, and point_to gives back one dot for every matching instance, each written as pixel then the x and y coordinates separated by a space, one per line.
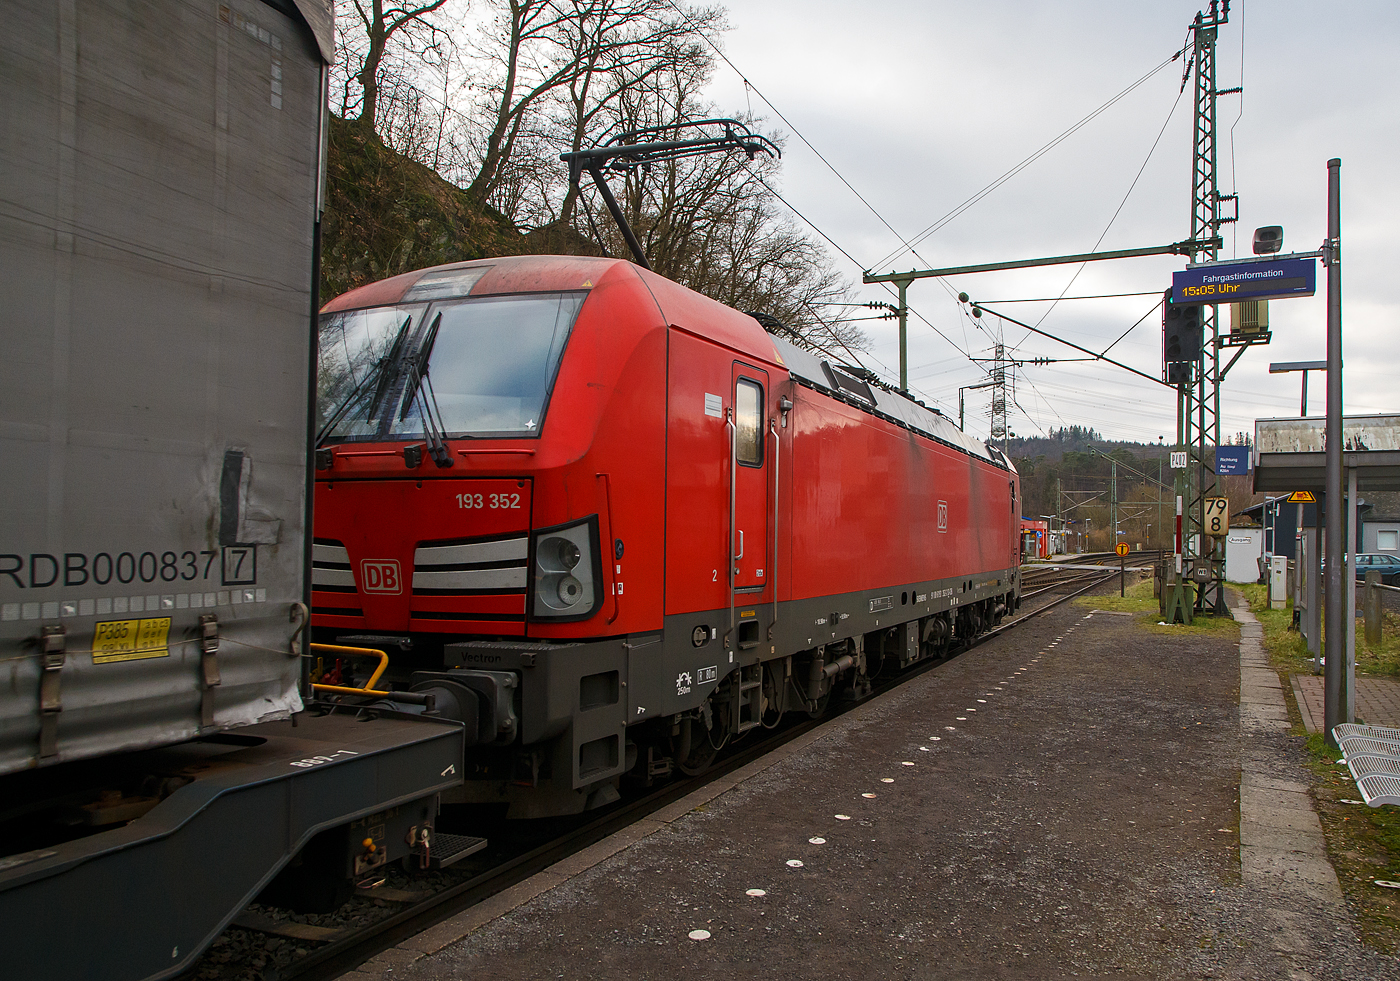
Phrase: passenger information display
pixel 1261 279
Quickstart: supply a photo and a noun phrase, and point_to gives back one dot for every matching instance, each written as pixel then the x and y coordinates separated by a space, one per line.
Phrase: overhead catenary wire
pixel 1058 299
pixel 1116 212
pixel 909 245
pixel 1024 163
pixel 749 86
pixel 1150 311
pixel 1234 180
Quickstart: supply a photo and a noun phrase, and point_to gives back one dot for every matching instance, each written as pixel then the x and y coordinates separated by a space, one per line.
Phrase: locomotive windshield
pixel 480 367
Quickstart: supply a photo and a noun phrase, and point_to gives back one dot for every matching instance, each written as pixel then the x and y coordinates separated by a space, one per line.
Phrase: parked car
pixel 1387 565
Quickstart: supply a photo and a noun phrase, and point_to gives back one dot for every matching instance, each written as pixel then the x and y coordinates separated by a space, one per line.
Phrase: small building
pixel 1035 539
pixel 1244 551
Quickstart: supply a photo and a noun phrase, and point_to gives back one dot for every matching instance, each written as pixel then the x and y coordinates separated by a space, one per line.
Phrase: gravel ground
pixel 1056 804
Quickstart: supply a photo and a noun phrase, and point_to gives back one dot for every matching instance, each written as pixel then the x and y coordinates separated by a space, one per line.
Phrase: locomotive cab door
pixel 750 481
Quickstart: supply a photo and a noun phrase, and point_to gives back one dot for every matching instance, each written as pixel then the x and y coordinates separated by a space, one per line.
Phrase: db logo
pixel 380 576
pixel 942 516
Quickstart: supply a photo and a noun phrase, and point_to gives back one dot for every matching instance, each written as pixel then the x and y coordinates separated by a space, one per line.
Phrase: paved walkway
pixel 1377 701
pixel 1283 853
pixel 1051 803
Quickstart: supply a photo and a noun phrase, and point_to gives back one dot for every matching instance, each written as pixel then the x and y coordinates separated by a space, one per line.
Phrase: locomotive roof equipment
pixel 624 153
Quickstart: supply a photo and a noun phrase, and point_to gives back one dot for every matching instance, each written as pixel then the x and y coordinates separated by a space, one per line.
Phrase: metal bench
pixel 1372 754
pixel 1348 729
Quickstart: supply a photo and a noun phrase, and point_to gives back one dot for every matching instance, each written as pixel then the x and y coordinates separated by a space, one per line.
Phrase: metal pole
pixel 1059 509
pixel 1335 629
pixel 1113 501
pixel 616 212
pixel 1176 248
pixel 1348 706
pixel 903 285
pixel 1304 410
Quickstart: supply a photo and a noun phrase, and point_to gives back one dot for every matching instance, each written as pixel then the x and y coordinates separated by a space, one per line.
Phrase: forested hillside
pixel 450 118
pixel 1070 474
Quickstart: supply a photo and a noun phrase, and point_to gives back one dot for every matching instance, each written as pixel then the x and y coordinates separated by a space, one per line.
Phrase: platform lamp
pixel 1282 367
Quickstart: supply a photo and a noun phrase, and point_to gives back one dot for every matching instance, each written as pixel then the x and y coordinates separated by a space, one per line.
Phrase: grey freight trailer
pixel 158 190
pixel 159 198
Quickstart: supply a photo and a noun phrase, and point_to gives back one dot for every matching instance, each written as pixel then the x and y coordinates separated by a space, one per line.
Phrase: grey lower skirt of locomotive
pixel 555 728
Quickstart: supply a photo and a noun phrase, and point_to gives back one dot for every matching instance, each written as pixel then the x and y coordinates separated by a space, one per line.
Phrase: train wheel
pixel 701 758
pixel 696 749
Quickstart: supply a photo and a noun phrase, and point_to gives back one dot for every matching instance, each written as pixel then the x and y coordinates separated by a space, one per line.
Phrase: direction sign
pixel 1255 279
pixel 1231 460
pixel 1122 548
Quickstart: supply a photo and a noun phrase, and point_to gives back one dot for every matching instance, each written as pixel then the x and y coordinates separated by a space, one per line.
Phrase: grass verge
pixel 1362 842
pixel 1289 651
pixel 1137 599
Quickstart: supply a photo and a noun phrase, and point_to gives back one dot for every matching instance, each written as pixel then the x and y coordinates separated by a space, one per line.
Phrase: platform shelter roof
pixel 1290 454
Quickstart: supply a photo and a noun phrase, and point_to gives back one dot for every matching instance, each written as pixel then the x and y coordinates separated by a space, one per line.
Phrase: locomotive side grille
pixel 470 568
pixel 330 567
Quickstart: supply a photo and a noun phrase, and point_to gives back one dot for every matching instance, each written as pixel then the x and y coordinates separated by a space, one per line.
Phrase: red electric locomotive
pixel 612 524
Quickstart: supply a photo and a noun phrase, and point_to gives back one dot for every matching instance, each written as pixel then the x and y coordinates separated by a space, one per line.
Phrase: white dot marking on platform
pixel 757 893
pixel 868 796
pixel 816 841
pixel 935 739
pixel 887 779
pixel 699 934
pixel 843 817
pixel 982 701
pixel 794 863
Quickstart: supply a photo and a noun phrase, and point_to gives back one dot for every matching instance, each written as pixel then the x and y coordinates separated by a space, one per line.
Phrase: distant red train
pixel 613 525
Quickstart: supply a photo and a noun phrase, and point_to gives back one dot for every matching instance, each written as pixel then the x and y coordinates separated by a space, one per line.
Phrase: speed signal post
pixel 1217 522
pixel 1122 554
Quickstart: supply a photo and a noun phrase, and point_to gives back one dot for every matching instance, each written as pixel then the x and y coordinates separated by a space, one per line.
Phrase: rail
pixel 405 913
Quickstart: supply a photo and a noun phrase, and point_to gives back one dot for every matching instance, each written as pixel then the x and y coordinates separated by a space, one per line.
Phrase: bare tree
pixel 408 24
pixel 545 76
pixel 713 223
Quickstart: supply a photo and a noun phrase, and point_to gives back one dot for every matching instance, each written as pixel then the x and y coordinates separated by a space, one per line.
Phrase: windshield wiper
pixel 419 391
pixel 390 368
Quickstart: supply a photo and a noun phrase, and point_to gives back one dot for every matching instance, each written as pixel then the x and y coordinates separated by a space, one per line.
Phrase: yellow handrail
pixel 362 652
pixel 342 690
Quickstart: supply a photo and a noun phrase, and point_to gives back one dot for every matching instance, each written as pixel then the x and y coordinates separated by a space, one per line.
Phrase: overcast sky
pixel 920 104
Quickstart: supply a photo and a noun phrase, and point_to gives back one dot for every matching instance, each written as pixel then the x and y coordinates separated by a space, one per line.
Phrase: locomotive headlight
pixel 567 572
pixel 569 553
pixel 570 590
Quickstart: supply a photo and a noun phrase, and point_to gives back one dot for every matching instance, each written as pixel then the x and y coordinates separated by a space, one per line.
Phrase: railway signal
pixel 1182 340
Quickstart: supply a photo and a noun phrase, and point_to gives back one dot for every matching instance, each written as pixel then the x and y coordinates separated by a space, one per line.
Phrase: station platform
pixel 1377 701
pixel 1083 797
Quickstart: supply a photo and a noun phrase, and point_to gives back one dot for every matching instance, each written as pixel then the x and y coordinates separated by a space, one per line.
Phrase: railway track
pixel 272 944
